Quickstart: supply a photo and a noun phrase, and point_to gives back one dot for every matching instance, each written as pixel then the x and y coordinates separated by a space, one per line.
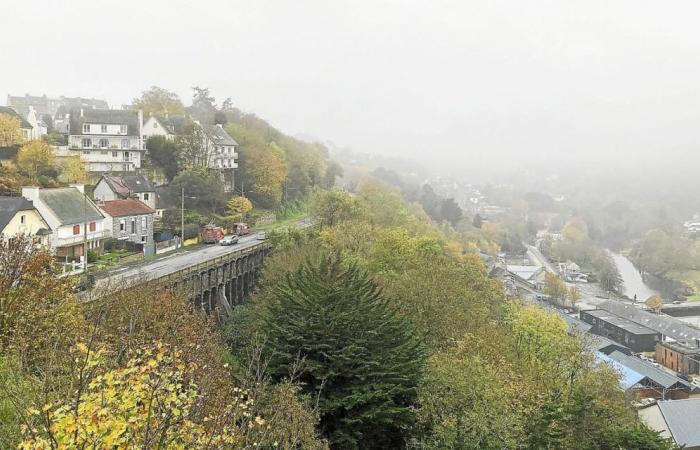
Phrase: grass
pixel 284 223
pixel 690 278
pixel 116 258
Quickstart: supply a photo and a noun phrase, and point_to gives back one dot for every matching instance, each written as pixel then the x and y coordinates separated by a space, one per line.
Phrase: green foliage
pixel 328 207
pixel 354 352
pixel 204 191
pixel 165 155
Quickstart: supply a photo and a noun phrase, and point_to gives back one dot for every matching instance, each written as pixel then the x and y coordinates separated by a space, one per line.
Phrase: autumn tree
pixel 35 159
pixel 555 287
pixel 268 173
pixel 10 131
pixel 73 170
pixel 654 303
pixel 159 101
pixel 237 208
pixel 332 321
pixel 328 207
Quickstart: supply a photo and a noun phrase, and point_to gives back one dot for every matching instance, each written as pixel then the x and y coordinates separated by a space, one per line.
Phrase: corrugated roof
pixel 218 135
pixel 628 376
pixel 682 418
pixel 69 205
pixel 666 325
pixel 128 207
pixel 607 346
pixel 9 206
pixel 653 373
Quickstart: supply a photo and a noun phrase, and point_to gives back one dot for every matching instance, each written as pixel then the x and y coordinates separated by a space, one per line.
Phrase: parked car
pixel 261 236
pixel 231 239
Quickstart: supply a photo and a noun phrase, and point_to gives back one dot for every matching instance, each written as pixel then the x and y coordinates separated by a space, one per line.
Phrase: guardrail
pixel 215 262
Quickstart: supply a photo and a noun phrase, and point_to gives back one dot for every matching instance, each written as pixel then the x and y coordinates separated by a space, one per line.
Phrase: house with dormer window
pixel 107 139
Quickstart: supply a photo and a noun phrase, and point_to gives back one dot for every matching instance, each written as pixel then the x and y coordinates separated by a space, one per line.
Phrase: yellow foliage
pixel 34 158
pixel 149 403
pixel 238 207
pixel 10 131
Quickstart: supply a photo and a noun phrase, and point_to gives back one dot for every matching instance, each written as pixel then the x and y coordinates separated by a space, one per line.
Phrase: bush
pixel 91 256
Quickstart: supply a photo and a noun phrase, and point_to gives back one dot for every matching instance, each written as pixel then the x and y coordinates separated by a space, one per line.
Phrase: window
pixel 122 225
pixel 126 156
pixel 86 152
pixel 125 143
pixel 133 226
pixel 103 128
pixel 144 224
pixel 76 229
pixel 103 153
pixel 86 128
pixel 87 143
pixel 146 196
pixel 104 143
pixel 122 129
pixel 114 154
pixel 143 238
pixel 93 226
pixel 125 167
pixel 22 219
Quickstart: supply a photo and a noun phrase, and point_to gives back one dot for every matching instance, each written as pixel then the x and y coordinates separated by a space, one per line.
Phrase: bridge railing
pixel 214 262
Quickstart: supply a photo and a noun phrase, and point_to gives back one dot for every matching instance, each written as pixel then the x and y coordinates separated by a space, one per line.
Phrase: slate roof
pixel 681 416
pixel 22 121
pixel 127 207
pixel 218 135
pixel 9 206
pixel 666 325
pixel 174 124
pixel 50 105
pixel 125 185
pixel 653 373
pixel 69 205
pixel 107 116
pixel 607 346
pixel 620 322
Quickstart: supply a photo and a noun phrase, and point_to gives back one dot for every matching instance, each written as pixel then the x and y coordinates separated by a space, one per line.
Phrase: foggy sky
pixel 468 82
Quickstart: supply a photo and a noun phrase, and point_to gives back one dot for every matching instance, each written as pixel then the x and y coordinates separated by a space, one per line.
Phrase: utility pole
pixel 182 220
pixel 85 258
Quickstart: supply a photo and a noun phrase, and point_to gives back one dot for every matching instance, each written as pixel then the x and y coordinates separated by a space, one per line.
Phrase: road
pixel 124 276
pixel 539 258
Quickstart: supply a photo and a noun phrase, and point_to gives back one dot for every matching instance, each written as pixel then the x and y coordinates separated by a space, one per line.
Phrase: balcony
pixel 78 238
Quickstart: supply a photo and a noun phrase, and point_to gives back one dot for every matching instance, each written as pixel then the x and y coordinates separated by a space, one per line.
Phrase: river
pixel 632 279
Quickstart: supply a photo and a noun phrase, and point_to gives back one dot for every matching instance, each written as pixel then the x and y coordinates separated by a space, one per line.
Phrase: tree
pixel 608 275
pixel 194 153
pixel 73 170
pixel 354 352
pixel 331 206
pixel 555 287
pixel 333 171
pixel 147 404
pixel 10 131
pixel 204 191
pixel 158 101
pixel 35 159
pixel 654 303
pixel 237 208
pixel 165 154
pixel 478 221
pixel 266 169
pixel 450 211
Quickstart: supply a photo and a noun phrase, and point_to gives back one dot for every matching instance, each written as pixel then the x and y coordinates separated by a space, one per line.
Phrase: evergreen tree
pixel 359 357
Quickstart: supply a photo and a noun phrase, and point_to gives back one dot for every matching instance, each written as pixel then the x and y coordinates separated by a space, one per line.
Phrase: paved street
pixel 123 276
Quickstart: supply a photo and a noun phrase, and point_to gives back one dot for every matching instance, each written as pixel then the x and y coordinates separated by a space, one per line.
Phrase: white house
pixel 107 139
pixel 221 148
pixel 39 127
pixel 73 218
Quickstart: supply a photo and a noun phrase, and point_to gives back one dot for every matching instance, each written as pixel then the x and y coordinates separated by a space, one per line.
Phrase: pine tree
pixel 360 358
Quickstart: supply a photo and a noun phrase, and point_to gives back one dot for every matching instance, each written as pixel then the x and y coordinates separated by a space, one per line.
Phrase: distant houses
pixel 121 187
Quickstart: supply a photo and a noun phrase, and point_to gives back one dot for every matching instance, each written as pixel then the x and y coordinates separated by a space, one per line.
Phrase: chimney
pixel 220 126
pixel 78 186
pixel 81 112
pixel 30 192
